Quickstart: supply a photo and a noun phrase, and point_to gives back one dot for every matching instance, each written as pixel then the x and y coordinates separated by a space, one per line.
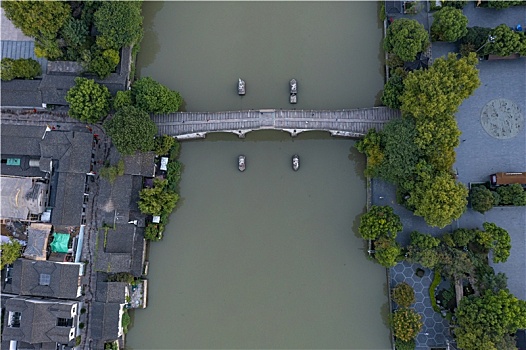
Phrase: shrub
pixel 122 99
pixel 449 24
pixel 175 170
pixel 406 324
pixel 81 325
pixel 78 340
pixel 458 4
pixel 512 195
pixel 121 277
pixel 175 151
pixel 24 68
pixel 405 345
pixel 111 172
pixel 403 294
pixel 126 320
pixel 507 41
pixel 406 38
pixel 481 199
pixel 153 232
pixel 88 101
pixel 477 36
pixel 163 144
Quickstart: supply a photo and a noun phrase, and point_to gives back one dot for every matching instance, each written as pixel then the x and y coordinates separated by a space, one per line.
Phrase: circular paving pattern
pixel 502 119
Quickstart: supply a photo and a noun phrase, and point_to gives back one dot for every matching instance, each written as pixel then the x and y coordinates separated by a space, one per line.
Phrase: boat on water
pixel 293 91
pixel 241 164
pixel 295 162
pixel 241 87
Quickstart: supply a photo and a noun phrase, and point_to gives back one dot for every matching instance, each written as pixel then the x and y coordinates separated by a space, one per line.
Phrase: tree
pixel 131 130
pixel 506 41
pixel 38 19
pixel 380 221
pixel 481 199
pixel 88 101
pixel 393 89
pixel 436 138
pixel 501 242
pixel 483 321
pixel 400 153
pixel 104 62
pixel 25 68
pixel 439 199
pixel 440 89
pixel 387 251
pixel 423 249
pixel 403 294
pixel 119 24
pixel 157 200
pixel 370 145
pixel 405 38
pixel 153 97
pixel 153 232
pixel 9 252
pixel 406 324
pixel 449 24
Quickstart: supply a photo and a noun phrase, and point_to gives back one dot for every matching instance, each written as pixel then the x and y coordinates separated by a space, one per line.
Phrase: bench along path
pixel 347 122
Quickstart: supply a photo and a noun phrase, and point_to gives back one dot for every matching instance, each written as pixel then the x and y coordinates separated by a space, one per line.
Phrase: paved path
pixel 9 31
pixel 349 122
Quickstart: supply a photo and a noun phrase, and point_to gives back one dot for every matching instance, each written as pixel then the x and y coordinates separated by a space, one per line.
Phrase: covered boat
pixel 293 91
pixel 295 162
pixel 241 87
pixel 241 163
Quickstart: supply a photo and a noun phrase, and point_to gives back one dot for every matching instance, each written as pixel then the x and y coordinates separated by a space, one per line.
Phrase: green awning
pixel 13 161
pixel 60 243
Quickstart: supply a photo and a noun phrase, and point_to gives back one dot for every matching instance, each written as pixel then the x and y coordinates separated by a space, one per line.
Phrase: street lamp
pixel 491 39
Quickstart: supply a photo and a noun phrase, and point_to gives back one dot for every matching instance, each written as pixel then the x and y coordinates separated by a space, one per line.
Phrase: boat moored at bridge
pixel 293 91
pixel 295 162
pixel 241 163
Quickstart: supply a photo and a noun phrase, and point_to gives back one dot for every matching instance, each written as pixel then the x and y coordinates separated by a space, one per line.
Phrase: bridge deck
pixel 348 122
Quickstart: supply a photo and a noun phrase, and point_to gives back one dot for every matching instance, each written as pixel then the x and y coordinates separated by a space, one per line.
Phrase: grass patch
pixel 432 290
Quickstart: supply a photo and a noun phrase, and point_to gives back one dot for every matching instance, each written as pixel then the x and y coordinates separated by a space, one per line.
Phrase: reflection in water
pixel 266 258
pixel 331 48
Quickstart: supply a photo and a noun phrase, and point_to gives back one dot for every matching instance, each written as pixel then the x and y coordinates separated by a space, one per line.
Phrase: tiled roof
pixel 63 279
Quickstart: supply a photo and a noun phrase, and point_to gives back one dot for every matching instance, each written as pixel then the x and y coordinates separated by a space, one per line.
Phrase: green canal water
pixel 268 258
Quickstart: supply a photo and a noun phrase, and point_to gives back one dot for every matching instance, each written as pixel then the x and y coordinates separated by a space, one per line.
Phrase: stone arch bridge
pixel 345 123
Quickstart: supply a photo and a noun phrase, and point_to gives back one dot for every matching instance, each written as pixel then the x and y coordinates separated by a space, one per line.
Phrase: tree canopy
pixel 153 97
pixel 449 24
pixel 439 199
pixel 483 321
pixel 406 324
pixel 440 89
pixel 88 101
pixel 119 23
pixel 38 19
pixel 9 252
pixel 131 130
pixel 380 221
pixel 405 38
pixel 482 199
pixel 157 200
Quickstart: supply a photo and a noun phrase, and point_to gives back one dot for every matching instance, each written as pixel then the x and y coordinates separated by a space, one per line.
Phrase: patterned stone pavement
pixel 435 327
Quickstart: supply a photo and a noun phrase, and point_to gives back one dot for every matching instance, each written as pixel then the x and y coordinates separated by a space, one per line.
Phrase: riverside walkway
pixel 346 123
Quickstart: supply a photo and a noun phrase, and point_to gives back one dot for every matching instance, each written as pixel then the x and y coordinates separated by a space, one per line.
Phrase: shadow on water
pixel 150 45
pixel 266 135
